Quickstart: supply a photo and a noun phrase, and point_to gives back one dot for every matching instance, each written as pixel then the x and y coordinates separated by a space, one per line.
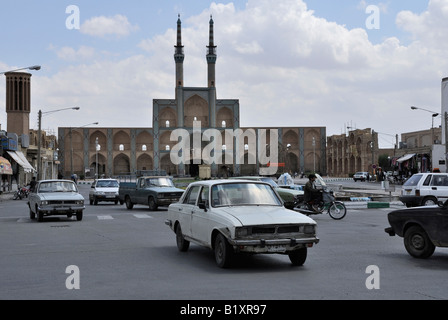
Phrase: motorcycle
pixel 22 192
pixel 336 209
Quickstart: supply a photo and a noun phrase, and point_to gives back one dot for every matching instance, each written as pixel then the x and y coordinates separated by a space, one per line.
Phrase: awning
pixel 406 157
pixel 5 166
pixel 20 158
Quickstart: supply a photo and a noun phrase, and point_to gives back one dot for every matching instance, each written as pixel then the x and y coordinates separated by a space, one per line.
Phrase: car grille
pixel 171 195
pixel 274 229
pixel 53 202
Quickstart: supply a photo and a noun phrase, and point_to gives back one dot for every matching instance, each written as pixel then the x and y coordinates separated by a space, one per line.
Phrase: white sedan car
pixel 238 216
pixel 56 197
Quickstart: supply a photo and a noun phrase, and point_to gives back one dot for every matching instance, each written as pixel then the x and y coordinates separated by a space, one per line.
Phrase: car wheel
pixel 429 201
pixel 417 243
pixel 32 214
pixel 223 252
pixel 298 257
pixel 129 204
pixel 152 204
pixel 40 215
pixel 182 244
pixel 79 215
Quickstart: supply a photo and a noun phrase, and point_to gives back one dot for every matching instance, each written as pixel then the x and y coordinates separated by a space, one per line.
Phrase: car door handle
pixel 180 209
pixel 434 188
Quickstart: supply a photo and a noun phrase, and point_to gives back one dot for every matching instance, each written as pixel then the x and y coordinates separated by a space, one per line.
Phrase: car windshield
pixel 413 180
pixel 107 184
pixel 159 182
pixel 57 186
pixel 270 181
pixel 243 194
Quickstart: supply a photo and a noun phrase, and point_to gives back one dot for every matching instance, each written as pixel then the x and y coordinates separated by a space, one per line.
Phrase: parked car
pixel 425 189
pixel 104 190
pixel 288 195
pixel 422 228
pixel 361 176
pixel 152 191
pixel 56 197
pixel 239 216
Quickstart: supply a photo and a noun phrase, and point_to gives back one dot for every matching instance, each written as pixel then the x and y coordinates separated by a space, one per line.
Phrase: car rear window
pixel 413 181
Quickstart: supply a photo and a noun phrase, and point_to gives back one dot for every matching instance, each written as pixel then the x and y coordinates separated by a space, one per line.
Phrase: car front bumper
pixel 60 210
pixel 272 245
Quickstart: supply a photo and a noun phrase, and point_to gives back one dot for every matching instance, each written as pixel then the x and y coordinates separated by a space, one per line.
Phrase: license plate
pixel 276 248
pixel 110 196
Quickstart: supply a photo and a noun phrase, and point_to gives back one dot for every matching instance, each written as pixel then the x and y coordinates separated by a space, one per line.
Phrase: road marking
pixel 105 218
pixel 142 215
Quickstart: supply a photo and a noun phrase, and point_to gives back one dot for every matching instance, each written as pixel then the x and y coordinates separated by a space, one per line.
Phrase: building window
pixel 144 147
pixel 224 147
pixel 167 123
pixel 121 147
pixel 223 124
pixel 167 147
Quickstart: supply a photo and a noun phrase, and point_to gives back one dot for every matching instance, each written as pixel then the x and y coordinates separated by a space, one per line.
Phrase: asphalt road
pixel 115 253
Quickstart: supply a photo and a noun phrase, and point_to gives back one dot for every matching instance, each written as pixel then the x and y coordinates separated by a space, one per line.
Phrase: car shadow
pixel 204 258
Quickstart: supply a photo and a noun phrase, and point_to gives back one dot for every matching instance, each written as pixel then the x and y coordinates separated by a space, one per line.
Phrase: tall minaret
pixel 211 57
pixel 179 56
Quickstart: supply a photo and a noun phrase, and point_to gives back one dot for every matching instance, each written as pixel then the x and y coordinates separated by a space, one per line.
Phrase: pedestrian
pixel 32 184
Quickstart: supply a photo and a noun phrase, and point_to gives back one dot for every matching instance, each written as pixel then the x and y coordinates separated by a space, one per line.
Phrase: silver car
pixel 56 197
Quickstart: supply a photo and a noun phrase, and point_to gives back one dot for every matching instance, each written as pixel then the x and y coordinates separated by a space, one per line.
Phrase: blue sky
pixel 312 61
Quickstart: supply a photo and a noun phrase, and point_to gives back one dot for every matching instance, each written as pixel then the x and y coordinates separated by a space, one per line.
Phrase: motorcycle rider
pixel 311 193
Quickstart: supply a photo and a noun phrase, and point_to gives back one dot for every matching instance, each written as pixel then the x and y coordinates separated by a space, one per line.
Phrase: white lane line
pixel 142 215
pixel 105 218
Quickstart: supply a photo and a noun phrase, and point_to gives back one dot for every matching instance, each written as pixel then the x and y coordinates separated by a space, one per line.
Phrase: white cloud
pixel 70 54
pixel 102 26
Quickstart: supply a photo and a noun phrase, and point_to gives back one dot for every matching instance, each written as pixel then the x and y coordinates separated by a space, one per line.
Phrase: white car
pixel 104 190
pixel 362 176
pixel 240 216
pixel 425 189
pixel 55 197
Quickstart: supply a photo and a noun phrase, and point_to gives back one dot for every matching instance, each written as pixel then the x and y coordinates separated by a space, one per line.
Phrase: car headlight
pixel 43 203
pixel 309 229
pixel 79 202
pixel 100 193
pixel 241 232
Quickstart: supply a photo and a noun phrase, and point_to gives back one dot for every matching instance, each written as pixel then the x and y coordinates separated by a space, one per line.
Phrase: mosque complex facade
pixel 123 151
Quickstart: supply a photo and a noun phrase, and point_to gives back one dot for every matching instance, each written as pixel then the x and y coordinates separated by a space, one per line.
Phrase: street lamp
pixel 96 157
pixel 434 114
pixel 27 68
pixel 314 154
pixel 39 142
pixel 71 145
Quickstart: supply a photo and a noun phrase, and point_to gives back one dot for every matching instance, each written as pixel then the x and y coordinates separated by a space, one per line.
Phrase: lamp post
pixel 96 157
pixel 39 132
pixel 314 154
pixel 434 114
pixel 71 144
pixel 27 68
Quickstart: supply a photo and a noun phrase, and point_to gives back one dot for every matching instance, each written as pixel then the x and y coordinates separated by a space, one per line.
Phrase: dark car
pixel 423 228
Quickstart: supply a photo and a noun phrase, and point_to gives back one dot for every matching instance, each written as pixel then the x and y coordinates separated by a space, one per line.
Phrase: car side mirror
pixel 203 205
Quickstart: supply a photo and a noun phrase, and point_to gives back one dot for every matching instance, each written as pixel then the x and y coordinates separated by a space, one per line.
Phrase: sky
pixel 291 63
